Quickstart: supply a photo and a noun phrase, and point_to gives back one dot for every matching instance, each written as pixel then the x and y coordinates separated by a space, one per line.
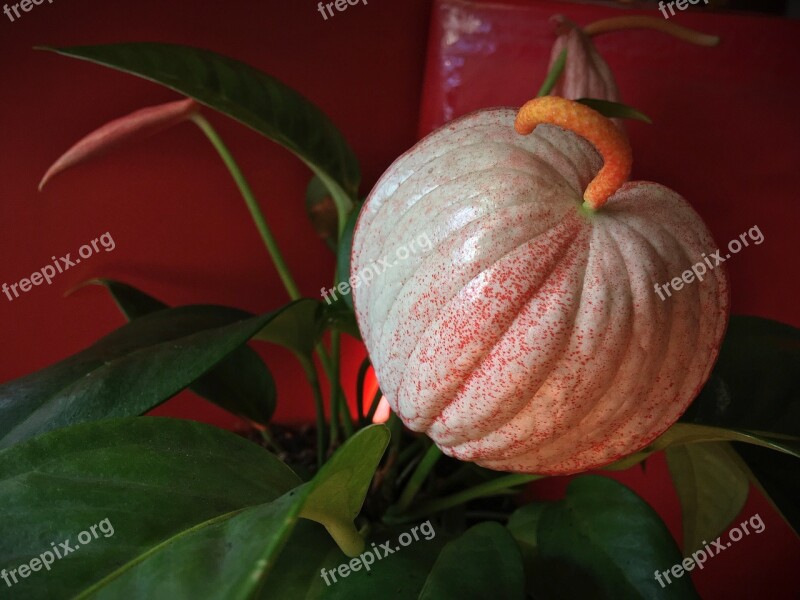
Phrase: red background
pixel 725 137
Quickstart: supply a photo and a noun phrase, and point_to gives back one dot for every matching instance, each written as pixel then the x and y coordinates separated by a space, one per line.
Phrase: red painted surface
pixel 183 234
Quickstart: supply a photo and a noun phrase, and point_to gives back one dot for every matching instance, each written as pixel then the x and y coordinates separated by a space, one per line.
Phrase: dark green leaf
pixel 397 576
pixel 523 525
pixel 245 94
pixel 712 484
pixel 227 557
pixel 155 479
pixel 343 255
pixel 484 562
pixel 241 383
pixel 775 475
pixel 126 373
pixel 297 328
pixel 614 110
pixel 603 541
pixel 755 384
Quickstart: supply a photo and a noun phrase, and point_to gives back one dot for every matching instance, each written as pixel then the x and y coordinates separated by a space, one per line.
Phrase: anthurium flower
pixel 530 338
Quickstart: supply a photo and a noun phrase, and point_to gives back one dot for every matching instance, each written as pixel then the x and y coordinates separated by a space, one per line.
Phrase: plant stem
pixel 280 265
pixel 362 374
pixel 490 488
pixel 319 406
pixel 555 73
pixel 252 205
pixel 374 406
pixel 335 343
pixel 409 451
pixel 421 473
pixel 266 435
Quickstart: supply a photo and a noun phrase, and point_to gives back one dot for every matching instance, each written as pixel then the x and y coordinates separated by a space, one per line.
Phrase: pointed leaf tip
pixel 139 124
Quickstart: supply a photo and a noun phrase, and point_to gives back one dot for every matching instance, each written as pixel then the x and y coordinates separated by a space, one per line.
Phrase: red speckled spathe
pixel 529 338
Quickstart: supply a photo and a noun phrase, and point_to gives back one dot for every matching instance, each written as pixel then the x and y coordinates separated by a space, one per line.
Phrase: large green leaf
pixel 228 557
pixel 241 383
pixel 603 541
pixel 755 384
pixel 396 576
pixel 126 373
pixel 342 483
pixel 775 475
pixel 712 484
pixel 154 479
pixel 245 94
pixel 484 562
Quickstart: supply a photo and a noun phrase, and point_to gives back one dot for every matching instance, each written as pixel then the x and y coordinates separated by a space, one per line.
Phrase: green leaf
pixel 126 373
pixel 553 75
pixel 228 557
pixel 297 328
pixel 712 484
pixel 341 486
pixel 343 255
pixel 396 576
pixel 484 562
pixel 755 384
pixel 687 433
pixel 245 94
pixel 341 318
pixel 603 541
pixel 775 476
pixel 614 110
pixel 523 525
pixel 241 383
pixel 156 480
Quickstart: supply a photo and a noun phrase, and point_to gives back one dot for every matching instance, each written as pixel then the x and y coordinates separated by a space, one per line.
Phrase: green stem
pixel 490 488
pixel 411 450
pixel 362 374
pixel 266 435
pixel 319 407
pixel 280 265
pixel 552 77
pixel 334 380
pixel 374 406
pixel 252 205
pixel 424 469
